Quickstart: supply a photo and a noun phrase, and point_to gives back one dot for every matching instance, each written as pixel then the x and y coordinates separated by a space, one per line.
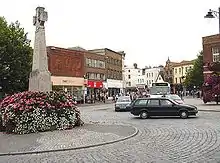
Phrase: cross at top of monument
pixel 40 17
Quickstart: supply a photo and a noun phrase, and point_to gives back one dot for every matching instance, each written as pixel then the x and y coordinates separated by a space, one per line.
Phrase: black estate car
pixel 161 106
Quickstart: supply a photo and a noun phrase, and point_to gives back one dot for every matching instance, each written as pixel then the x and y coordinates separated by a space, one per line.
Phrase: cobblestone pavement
pixel 196 139
pixel 87 135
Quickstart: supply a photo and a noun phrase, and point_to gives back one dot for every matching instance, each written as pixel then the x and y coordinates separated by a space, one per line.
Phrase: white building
pixel 151 75
pixel 131 76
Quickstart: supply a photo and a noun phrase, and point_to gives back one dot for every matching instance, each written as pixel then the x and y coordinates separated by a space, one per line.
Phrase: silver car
pixel 122 103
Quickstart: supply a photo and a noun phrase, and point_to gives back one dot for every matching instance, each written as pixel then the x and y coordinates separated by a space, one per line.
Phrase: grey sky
pixel 148 31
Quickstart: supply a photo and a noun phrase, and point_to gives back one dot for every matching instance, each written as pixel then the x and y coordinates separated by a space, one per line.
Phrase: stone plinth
pixel 40 81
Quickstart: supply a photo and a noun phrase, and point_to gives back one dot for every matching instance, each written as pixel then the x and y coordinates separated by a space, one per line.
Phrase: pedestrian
pixel 116 98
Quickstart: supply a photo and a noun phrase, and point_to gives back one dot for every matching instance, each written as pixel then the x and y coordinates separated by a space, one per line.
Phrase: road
pixel 196 139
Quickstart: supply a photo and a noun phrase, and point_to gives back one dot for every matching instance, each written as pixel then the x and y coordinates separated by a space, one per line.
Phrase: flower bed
pixel 30 112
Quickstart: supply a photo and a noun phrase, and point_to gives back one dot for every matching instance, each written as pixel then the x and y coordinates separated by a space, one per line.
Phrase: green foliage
pixel 194 76
pixel 15 57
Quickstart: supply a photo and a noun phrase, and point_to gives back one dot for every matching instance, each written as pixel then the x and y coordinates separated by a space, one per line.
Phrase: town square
pixel 66 99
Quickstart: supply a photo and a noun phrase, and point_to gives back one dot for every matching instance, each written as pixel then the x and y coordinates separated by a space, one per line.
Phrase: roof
pixel 54 48
pixel 121 52
pixel 77 48
pixel 182 63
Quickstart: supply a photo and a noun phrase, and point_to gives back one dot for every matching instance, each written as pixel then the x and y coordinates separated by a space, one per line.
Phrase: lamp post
pixel 214 14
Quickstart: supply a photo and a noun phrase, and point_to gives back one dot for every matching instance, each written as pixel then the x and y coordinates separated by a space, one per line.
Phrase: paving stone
pixel 165 140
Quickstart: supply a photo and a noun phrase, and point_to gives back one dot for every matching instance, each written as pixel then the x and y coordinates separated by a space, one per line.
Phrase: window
pixel 98 76
pixel 176 80
pixel 215 54
pixel 91 76
pixel 129 76
pixel 129 70
pixel 88 62
pixel 147 75
pixel 141 102
pixel 186 68
pixel 152 74
pixel 95 63
pixel 165 103
pixel 153 102
pixel 129 83
pixel 179 70
pixel 175 70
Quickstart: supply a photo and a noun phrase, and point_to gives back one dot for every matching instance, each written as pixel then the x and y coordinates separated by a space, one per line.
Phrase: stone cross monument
pixel 40 77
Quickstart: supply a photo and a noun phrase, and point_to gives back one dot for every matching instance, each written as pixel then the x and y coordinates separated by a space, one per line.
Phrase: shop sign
pixel 95 84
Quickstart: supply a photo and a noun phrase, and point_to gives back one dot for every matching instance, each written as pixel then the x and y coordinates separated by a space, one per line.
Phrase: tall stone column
pixel 40 77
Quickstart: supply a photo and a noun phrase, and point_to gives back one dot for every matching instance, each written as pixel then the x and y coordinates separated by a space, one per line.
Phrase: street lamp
pixel 214 14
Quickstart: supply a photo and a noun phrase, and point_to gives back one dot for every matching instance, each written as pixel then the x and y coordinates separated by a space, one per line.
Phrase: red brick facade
pixel 209 42
pixel 65 62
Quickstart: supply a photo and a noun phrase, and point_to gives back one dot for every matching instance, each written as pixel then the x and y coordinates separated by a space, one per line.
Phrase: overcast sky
pixel 148 31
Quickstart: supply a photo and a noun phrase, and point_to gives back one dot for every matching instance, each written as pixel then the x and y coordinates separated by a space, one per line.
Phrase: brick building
pixel 77 71
pixel 67 69
pixel 114 66
pixel 211 54
pixel 95 70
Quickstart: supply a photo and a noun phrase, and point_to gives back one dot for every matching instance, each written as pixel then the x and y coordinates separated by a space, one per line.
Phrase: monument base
pixel 40 81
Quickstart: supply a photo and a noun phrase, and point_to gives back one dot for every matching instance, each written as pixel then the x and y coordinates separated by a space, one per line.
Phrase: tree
pixel 15 57
pixel 194 76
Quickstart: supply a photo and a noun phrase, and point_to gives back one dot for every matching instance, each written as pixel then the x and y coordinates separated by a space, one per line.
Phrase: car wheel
pixel 183 114
pixel 144 115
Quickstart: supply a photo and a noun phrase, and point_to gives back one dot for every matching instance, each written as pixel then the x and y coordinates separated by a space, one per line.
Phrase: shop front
pixel 114 87
pixel 72 85
pixel 94 89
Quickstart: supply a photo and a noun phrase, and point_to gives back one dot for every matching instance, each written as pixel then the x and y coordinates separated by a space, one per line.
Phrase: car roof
pixel 154 98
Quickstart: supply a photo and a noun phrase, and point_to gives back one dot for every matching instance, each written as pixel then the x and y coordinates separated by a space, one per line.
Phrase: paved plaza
pixel 196 139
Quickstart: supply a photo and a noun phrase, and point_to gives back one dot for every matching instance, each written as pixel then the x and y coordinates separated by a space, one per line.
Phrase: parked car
pixel 176 98
pixel 123 103
pixel 161 106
